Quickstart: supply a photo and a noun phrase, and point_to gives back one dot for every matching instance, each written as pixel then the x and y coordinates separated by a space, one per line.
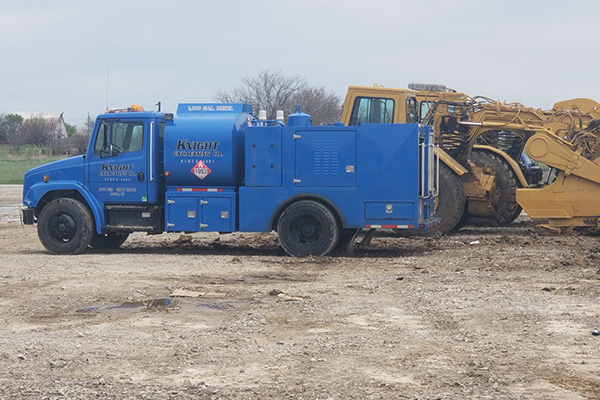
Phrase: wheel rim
pixel 62 227
pixel 306 230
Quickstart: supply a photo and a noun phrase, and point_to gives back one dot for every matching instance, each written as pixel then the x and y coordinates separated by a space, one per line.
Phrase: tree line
pixel 41 131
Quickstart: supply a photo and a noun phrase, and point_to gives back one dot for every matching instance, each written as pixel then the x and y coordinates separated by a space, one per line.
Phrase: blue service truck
pixel 215 167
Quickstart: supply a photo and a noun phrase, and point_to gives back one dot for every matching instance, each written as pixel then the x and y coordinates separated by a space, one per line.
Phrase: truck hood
pixel 69 169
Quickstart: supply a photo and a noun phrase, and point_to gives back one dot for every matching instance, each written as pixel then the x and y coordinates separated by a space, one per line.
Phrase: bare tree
pixel 81 139
pixel 10 127
pixel 89 125
pixel 323 106
pixel 272 91
pixel 37 130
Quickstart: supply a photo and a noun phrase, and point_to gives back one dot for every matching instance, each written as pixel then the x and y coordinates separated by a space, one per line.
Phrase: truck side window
pixel 136 140
pixel 119 137
pixel 127 136
pixel 372 110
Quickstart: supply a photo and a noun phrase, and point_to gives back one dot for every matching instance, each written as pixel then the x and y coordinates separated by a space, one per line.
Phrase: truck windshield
pixel 119 137
pixel 372 110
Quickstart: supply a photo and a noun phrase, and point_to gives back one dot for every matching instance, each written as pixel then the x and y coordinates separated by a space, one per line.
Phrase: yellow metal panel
pixel 451 162
pixel 555 152
pixel 587 106
pixel 567 198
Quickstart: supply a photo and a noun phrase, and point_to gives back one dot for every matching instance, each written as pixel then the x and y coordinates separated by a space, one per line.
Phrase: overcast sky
pixel 61 56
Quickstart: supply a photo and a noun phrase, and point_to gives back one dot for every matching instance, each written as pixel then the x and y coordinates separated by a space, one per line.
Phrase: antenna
pixel 107 80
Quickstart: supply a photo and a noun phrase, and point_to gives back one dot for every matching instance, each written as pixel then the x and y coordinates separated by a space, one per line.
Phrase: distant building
pixel 60 130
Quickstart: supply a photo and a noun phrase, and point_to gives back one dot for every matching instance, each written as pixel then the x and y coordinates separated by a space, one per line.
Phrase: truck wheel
pixel 504 191
pixel 450 206
pixel 451 201
pixel 65 226
pixel 108 240
pixel 464 220
pixel 307 228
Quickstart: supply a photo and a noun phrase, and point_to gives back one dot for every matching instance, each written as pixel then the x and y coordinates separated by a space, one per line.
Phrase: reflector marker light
pixel 389 226
pixel 199 189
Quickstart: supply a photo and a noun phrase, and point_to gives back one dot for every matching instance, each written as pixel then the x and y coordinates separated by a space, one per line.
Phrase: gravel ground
pixel 486 313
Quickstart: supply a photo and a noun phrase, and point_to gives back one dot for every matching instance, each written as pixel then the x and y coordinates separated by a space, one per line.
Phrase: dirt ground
pixel 487 313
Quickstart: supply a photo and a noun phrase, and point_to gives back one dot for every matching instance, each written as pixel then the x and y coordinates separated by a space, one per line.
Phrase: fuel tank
pixel 204 144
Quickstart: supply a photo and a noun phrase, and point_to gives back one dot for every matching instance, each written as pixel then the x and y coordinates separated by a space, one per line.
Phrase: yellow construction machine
pixel 483 172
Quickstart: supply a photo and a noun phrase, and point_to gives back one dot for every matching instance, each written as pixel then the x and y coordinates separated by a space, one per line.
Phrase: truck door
pixel 119 162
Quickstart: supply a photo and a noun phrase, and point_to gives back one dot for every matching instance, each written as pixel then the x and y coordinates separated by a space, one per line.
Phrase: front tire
pixel 65 226
pixel 308 228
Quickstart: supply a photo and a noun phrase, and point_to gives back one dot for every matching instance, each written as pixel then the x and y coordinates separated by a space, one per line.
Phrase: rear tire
pixel 307 228
pixel 451 201
pixel 108 240
pixel 65 226
pixel 504 191
pixel 450 206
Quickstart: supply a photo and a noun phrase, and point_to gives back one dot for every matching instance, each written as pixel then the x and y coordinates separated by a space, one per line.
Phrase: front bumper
pixel 27 215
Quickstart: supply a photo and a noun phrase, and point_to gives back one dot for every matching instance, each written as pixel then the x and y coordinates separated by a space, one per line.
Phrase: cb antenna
pixel 107 81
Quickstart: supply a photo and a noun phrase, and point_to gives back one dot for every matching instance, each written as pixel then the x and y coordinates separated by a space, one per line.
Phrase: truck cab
pixel 117 183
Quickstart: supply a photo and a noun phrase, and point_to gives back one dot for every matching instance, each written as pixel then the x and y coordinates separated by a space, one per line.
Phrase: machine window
pixel 425 107
pixel 372 110
pixel 412 115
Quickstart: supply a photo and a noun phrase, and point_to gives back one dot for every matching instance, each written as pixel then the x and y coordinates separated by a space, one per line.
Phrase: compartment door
pixel 217 214
pixel 182 214
pixel 325 158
